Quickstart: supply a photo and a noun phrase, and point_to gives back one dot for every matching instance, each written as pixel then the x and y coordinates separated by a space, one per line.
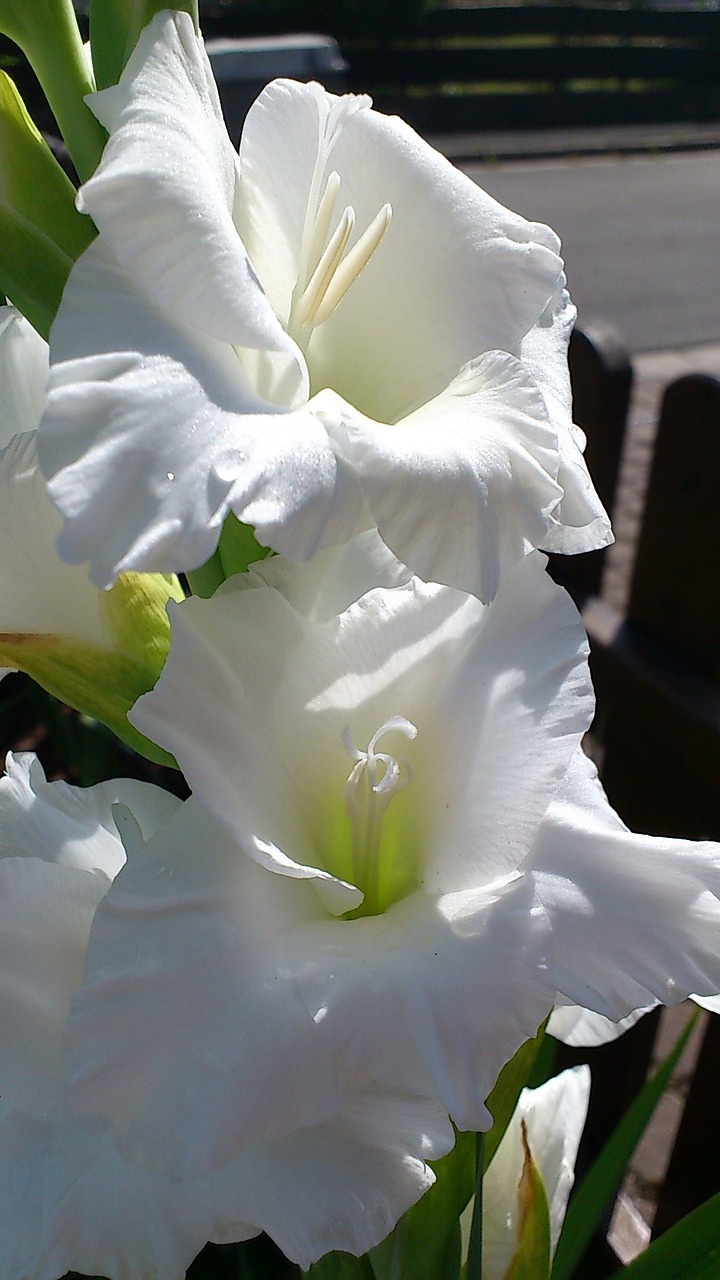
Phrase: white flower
pixel 337 332
pixel 393 865
pixel 68 1200
pixel 546 1126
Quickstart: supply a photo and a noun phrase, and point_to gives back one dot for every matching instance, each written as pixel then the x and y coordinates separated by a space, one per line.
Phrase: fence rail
pixel 540 66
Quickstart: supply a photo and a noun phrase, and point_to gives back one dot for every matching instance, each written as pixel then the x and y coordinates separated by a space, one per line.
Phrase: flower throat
pixel 374 781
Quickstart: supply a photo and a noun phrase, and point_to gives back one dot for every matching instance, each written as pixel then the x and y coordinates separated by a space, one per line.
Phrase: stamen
pixel 356 260
pixel 308 303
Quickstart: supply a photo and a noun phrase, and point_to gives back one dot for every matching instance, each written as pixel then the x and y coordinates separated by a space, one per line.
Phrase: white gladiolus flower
pixel 334 332
pixel 68 1200
pixel 547 1123
pixel 373 875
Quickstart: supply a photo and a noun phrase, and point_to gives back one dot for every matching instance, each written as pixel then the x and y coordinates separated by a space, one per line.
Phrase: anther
pixel 312 296
pixel 349 269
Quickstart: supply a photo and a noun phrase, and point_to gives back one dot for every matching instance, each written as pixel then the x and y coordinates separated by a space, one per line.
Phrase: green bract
pixel 42 231
pixel 114 29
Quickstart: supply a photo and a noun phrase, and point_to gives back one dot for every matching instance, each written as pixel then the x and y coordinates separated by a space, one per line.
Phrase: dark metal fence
pixel 656 671
pixel 543 66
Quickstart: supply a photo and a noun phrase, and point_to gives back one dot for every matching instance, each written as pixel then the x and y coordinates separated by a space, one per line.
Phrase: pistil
pixel 374 780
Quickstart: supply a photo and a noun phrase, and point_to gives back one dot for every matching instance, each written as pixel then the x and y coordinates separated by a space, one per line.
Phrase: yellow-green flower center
pixel 375 780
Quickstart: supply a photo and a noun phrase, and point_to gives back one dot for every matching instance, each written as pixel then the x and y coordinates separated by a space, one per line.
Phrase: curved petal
pixel 579 521
pixel 39 595
pixel 485 450
pixel 187 978
pixel 342 1185
pixel 510 712
pixel 433 996
pixel 45 916
pixel 582 1029
pixel 23 374
pixel 456 275
pixel 59 850
pixel 634 918
pixel 73 826
pixel 711 1003
pixel 333 579
pixel 209 967
pixel 164 192
pixel 152 435
pixel 68 1201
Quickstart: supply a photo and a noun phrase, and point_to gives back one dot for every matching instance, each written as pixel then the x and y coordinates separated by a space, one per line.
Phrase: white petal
pixel 342 1185
pixel 72 826
pixel 59 850
pixel 456 274
pixel 333 579
pixel 45 916
pixel 485 451
pixel 634 918
pixel 583 1029
pixel 510 708
pixel 152 435
pixel 23 374
pixel 188 979
pixel 434 995
pixel 163 194
pixel 579 521
pixel 70 1203
pixel 39 595
pixel 711 1003
pixel 554 1116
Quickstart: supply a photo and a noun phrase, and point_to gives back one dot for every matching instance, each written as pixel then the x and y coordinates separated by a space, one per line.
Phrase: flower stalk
pixel 52 44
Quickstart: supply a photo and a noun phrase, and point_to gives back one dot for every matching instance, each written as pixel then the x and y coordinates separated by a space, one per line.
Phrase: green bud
pixel 105 681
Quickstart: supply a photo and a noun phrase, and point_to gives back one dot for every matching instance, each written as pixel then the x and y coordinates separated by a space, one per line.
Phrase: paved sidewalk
pixel 600 140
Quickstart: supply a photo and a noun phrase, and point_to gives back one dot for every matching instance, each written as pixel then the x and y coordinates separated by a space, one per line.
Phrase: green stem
pixel 49 37
pixel 473 1270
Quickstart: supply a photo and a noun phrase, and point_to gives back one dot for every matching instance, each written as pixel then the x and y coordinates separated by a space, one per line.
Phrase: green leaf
pixel 425 1244
pixel 510 1083
pixel 33 270
pixel 340 1266
pixel 32 181
pixel 602 1181
pixel 688 1251
pixel 115 26
pixel 531 1260
pixel 238 547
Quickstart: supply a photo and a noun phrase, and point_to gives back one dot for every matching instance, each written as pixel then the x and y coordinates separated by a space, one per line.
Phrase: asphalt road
pixel 641 238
